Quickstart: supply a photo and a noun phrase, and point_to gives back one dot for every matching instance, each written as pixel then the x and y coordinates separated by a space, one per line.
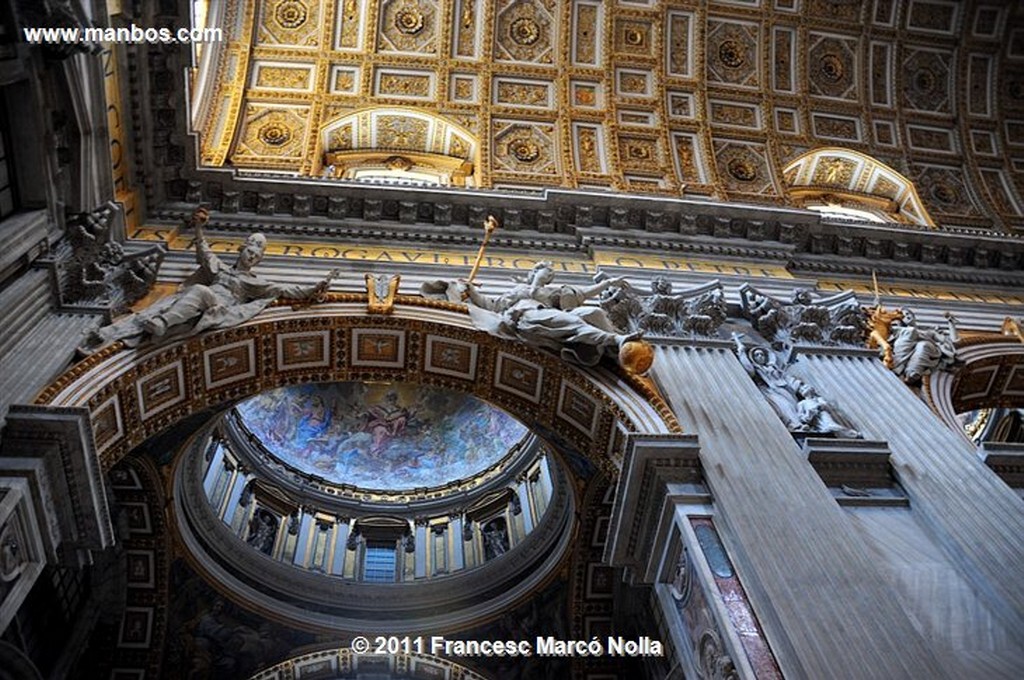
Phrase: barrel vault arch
pixel 132 395
pixel 990 375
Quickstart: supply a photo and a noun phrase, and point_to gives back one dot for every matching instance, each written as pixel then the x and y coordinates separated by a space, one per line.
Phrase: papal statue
pixel 214 296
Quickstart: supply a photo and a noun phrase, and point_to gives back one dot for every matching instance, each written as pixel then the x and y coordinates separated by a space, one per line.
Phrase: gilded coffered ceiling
pixel 723 99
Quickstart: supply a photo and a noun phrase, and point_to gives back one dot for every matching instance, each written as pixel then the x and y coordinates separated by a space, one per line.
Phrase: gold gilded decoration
pixel 402 132
pixel 274 134
pixel 380 293
pixel 466 43
pixel 880 321
pixel 344 82
pixel 586 30
pixel 340 138
pixel 524 149
pixel 1012 327
pixel 695 68
pixel 463 89
pixel 739 115
pixel 587 145
pixel 271 135
pixel 527 149
pixel 408 26
pixel 831 68
pixel 590 265
pixel 523 94
pixel 291 14
pixel 523 31
pixel 686 157
pixel 742 169
pixel 731 54
pixel 348 37
pixel 731 50
pixel 283 77
pixel 290 22
pixel 679 39
pixel 490 226
pixel 398 163
pixel 636 357
pixel 404 85
pixel 855 179
pixel 409 19
pixel 632 82
pixel 834 172
pixel 585 95
pixel 639 153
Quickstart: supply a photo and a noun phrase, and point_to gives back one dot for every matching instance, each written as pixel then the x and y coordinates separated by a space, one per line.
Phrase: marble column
pixel 824 607
pixel 974 515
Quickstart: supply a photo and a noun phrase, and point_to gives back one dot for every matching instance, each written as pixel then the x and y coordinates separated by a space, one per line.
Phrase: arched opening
pixel 848 185
pixel 397 145
pixel 982 398
pixel 133 395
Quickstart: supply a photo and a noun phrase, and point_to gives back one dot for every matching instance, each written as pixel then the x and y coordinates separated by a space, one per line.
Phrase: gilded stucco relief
pixel 638 96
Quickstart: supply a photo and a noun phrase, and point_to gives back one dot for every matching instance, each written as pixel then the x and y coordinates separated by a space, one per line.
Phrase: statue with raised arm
pixel 214 296
pixel 544 315
pixel 918 350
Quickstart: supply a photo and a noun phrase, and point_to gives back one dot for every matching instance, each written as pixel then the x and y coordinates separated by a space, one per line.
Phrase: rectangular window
pixel 379 563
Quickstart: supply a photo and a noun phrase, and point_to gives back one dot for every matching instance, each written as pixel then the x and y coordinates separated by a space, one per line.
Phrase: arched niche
pixel 133 395
pixel 390 143
pixel 851 185
pixel 990 375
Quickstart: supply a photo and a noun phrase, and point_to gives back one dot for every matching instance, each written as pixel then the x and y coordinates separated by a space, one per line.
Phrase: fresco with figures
pixel 386 436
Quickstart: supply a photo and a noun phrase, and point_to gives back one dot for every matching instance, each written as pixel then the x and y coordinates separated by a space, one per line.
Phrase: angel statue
pixel 918 350
pixel 544 315
pixel 214 296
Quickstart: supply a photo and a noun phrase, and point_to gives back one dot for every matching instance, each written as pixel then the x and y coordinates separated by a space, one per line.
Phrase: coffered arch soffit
pixel 641 95
pixel 853 179
pixel 991 375
pixel 132 395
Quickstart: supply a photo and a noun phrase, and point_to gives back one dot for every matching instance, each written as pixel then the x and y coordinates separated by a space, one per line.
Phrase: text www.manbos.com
pixel 121 34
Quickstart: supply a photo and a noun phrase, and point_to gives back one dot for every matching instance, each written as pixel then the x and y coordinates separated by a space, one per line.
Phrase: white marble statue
pixel 796 402
pixel 543 315
pixel 919 350
pixel 214 296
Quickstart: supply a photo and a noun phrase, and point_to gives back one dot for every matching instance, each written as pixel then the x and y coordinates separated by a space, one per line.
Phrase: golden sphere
pixel 636 356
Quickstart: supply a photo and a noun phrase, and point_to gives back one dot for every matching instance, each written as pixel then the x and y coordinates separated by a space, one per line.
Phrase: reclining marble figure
pixel 543 315
pixel 214 296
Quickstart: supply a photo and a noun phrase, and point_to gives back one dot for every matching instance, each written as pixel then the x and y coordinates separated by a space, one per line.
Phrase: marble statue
pixel 816 415
pixel 835 320
pixel 698 312
pixel 796 402
pixel 214 296
pixel 543 315
pixel 97 271
pixel 919 350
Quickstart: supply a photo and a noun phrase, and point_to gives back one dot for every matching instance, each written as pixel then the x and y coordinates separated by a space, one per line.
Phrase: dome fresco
pixel 386 436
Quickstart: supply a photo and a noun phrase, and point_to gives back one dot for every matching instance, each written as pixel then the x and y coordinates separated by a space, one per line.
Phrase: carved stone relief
pixel 97 270
pixel 837 320
pixel 697 312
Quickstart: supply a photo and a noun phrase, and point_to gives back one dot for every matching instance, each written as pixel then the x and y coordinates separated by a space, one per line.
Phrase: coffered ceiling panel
pixel 662 96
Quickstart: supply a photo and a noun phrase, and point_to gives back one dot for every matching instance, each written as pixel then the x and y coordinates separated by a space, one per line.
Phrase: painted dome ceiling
pixel 663 96
pixel 381 436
